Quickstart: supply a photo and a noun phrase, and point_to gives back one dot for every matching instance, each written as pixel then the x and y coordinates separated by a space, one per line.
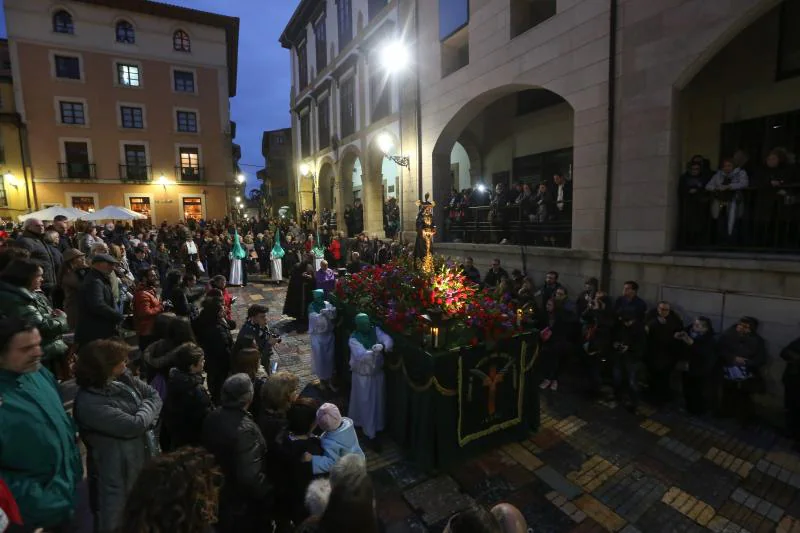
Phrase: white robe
pixel 277 268
pixel 317 263
pixel 320 329
pixel 235 278
pixel 367 395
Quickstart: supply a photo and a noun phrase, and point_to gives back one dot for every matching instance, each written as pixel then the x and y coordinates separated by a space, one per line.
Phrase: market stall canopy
pixel 114 212
pixel 72 213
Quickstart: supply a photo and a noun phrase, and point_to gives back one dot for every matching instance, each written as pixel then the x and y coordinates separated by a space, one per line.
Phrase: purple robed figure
pixel 326 278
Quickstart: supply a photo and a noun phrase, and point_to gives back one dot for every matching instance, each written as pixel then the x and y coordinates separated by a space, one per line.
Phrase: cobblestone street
pixel 591 467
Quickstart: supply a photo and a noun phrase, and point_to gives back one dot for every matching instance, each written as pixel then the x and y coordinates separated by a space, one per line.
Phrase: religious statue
pixel 423 259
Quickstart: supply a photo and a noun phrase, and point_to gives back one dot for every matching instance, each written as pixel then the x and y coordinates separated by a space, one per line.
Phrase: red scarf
pixel 8 505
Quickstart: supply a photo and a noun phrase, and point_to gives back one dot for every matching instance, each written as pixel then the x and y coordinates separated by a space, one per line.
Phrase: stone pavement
pixel 592 467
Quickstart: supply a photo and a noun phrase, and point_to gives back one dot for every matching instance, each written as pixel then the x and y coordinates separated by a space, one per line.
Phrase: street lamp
pixel 394 56
pixel 385 145
pixel 305 171
pixel 240 178
pixel 11 179
pixel 238 199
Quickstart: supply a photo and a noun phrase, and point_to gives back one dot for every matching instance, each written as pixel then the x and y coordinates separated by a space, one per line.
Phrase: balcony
pixel 513 224
pixel 190 174
pixel 751 220
pixel 77 171
pixel 135 173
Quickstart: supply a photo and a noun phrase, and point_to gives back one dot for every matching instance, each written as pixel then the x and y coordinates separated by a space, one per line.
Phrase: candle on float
pixel 519 317
pixel 435 336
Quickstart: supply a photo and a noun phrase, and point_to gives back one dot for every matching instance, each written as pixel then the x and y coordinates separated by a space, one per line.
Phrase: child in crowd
pixel 338 440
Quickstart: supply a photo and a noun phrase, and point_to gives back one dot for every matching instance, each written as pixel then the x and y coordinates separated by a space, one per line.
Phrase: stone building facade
pixel 617 95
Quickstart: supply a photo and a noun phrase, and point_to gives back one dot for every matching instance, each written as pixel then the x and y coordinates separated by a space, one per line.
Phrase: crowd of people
pixel 622 341
pixel 188 427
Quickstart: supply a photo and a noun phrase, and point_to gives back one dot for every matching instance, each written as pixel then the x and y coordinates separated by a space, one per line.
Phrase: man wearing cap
pixel 99 317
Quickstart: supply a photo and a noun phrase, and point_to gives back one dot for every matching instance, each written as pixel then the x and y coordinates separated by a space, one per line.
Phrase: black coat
pixel 41 255
pixel 701 355
pixel 492 278
pixel 97 313
pixel 234 439
pixel 294 474
pixel 185 408
pixel 662 347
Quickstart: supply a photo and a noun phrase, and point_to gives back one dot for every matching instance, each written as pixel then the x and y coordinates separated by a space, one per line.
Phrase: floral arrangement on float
pixel 442 306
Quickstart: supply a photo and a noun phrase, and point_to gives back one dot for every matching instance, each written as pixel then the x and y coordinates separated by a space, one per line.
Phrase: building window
pixel 132 117
pixel 347 106
pixel 321 43
pixel 136 162
pixel 84 203
pixel 302 66
pixel 77 165
pixel 141 204
pixel 278 139
pixel 192 208
pixel 453 15
pixel 68 67
pixel 187 121
pixel 324 126
pixel 455 52
pixel 344 17
pixel 189 161
pixel 128 75
pixel 183 81
pixel 375 6
pixel 62 22
pixel 125 32
pixel 305 135
pixel 525 14
pixel 379 94
pixel 181 41
pixel 72 113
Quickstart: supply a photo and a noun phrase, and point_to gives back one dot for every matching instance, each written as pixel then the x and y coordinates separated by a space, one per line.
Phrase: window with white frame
pixel 125 32
pixel 62 22
pixel 128 75
pixel 183 81
pixel 67 67
pixel 72 113
pixel 131 117
pixel 186 121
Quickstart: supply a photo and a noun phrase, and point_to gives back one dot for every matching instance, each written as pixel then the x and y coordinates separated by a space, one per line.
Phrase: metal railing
pixel 190 174
pixel 77 171
pixel 514 223
pixel 765 219
pixel 138 173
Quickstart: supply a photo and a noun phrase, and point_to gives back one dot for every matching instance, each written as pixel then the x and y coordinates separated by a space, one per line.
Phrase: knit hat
pixel 328 417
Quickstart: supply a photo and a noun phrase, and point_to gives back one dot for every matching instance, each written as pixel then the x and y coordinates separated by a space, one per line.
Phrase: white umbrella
pixel 72 213
pixel 114 212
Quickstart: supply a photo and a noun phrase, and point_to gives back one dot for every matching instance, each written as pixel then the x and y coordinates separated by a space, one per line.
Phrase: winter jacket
pixel 41 255
pixel 701 355
pixel 293 474
pixel 750 347
pixel 115 423
pixel 662 347
pixel 271 424
pixel 70 283
pixel 97 311
pixel 158 358
pixel 39 456
pixel 34 308
pixel 336 444
pixel 234 439
pixel 146 307
pixel 186 407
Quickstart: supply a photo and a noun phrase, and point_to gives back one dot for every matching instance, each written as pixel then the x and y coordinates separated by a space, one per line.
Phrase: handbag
pixel 200 266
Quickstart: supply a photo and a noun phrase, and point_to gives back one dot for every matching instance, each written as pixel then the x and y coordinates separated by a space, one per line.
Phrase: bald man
pixel 510 518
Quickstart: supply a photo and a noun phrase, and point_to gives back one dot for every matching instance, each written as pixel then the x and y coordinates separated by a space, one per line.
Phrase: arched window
pixel 62 22
pixel 181 41
pixel 125 32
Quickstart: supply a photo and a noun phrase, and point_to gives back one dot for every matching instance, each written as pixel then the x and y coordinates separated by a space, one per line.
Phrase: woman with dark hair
pixel 214 335
pixel 184 296
pixel 116 414
pixel 556 344
pixel 21 297
pixel 699 364
pixel 247 361
pixel 188 401
pixel 172 331
pixel 175 493
pixel 221 284
pixel 172 280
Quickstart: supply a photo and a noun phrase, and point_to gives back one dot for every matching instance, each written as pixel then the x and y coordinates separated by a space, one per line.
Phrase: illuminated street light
pixel 238 199
pixel 11 179
pixel 240 178
pixel 162 180
pixel 304 169
pixel 385 145
pixel 395 56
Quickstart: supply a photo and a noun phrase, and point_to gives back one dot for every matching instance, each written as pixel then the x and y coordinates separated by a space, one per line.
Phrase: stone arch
pixel 381 175
pixel 349 162
pixel 326 183
pixel 472 120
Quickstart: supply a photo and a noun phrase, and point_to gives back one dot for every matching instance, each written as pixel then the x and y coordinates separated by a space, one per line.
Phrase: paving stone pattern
pixel 591 467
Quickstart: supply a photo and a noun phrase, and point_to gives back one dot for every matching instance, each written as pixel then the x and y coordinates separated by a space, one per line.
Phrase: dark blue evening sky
pixel 262 101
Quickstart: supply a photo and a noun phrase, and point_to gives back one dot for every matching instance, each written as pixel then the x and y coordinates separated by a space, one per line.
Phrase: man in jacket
pixel 231 434
pixel 256 327
pixel 39 457
pixel 146 307
pixel 32 239
pixel 99 317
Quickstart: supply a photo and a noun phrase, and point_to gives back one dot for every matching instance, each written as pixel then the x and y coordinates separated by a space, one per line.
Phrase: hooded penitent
pixel 277 251
pixel 318 304
pixel 365 331
pixel 237 251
